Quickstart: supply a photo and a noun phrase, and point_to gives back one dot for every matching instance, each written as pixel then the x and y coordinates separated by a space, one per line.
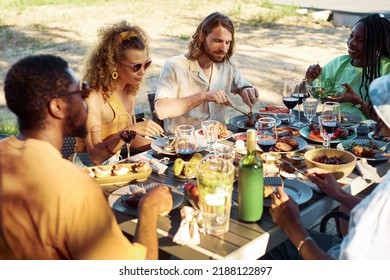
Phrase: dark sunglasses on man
pixel 135 67
pixel 84 91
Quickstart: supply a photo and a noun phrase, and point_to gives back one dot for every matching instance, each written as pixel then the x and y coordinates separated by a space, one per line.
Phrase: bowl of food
pixel 340 163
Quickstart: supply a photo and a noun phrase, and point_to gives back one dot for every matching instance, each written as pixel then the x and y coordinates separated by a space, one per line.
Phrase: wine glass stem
pixel 289 118
pixel 299 114
pixel 186 170
pixel 128 151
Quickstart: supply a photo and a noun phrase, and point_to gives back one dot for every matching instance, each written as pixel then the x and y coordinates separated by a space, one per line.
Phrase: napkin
pixel 188 232
pixel 367 171
pixel 157 167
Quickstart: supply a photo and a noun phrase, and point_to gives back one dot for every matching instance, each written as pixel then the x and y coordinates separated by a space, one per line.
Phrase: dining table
pixel 244 240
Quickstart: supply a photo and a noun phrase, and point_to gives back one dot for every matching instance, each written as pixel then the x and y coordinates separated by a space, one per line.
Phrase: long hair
pixel 195 48
pixel 113 42
pixel 376 45
pixel 31 83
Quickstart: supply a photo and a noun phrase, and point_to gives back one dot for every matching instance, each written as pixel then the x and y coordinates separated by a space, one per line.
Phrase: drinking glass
pixel 185 144
pixel 225 152
pixel 300 92
pixel 126 126
pixel 267 135
pixel 328 124
pixel 310 108
pixel 333 108
pixel 289 101
pixel 210 131
pixel 215 177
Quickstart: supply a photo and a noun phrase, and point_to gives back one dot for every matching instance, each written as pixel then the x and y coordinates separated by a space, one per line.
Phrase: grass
pixel 9 127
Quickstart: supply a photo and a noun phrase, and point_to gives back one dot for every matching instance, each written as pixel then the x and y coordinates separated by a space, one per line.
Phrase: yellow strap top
pixel 107 129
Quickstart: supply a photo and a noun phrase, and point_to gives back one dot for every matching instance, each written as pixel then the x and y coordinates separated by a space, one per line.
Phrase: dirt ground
pixel 267 55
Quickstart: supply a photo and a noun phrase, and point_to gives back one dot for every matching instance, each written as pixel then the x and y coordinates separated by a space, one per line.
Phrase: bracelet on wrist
pixel 360 104
pixel 303 242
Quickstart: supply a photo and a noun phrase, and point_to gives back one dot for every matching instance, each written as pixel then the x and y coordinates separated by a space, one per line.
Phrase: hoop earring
pixel 114 75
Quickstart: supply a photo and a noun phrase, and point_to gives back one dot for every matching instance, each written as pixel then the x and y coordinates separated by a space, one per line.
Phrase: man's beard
pixel 210 55
pixel 74 127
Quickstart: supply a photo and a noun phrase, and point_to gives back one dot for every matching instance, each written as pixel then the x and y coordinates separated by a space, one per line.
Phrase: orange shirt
pixel 51 209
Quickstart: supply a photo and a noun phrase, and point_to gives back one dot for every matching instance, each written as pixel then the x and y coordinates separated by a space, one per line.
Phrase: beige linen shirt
pixel 51 209
pixel 181 77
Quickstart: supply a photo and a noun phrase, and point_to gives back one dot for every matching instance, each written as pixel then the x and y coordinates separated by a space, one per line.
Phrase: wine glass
pixel 126 126
pixel 210 130
pixel 300 92
pixel 332 108
pixel 310 109
pixel 289 101
pixel 267 136
pixel 328 124
pixel 185 145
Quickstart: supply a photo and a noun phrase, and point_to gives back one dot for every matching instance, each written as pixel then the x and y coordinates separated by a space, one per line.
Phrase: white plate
pixel 116 203
pixel 296 189
pixel 378 155
pixel 159 144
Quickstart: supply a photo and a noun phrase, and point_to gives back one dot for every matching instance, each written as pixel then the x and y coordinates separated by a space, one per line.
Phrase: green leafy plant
pixel 9 127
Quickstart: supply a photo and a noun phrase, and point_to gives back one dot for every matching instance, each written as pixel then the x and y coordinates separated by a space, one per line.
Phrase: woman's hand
pixel 284 210
pixel 313 72
pixel 348 96
pixel 148 128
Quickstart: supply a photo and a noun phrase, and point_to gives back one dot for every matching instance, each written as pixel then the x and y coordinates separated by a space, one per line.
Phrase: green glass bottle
pixel 250 182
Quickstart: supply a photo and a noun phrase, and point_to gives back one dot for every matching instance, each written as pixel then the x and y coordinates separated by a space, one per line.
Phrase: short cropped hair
pixel 31 83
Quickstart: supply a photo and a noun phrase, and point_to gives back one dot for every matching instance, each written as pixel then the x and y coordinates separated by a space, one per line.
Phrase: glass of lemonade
pixel 215 178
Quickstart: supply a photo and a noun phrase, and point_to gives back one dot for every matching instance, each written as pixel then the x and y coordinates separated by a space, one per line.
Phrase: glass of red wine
pixel 328 124
pixel 267 136
pixel 185 145
pixel 300 92
pixel 289 101
pixel 126 129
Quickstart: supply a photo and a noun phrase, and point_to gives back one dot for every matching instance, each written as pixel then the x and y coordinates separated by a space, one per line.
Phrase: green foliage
pixel 9 126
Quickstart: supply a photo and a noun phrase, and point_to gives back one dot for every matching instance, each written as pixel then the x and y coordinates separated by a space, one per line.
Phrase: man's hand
pixel 249 96
pixel 159 199
pixel 219 97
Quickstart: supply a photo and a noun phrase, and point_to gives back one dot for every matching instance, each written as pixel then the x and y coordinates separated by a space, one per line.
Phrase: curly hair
pixel 111 48
pixel 195 47
pixel 31 83
pixel 376 45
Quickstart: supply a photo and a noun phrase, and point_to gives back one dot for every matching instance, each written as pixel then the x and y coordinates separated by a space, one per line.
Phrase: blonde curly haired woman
pixel 115 70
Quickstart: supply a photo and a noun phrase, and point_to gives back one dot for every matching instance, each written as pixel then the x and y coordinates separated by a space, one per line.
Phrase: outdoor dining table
pixel 243 240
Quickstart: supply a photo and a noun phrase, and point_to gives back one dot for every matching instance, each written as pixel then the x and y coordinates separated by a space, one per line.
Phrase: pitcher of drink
pixel 215 178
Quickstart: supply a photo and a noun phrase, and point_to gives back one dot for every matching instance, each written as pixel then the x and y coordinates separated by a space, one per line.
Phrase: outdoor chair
pixel 151 97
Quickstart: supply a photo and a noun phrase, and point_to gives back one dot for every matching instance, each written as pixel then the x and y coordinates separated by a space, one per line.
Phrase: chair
pixel 336 215
pixel 68 147
pixel 151 97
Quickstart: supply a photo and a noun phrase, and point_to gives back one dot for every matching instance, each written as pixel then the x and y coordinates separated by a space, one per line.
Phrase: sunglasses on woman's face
pixel 135 67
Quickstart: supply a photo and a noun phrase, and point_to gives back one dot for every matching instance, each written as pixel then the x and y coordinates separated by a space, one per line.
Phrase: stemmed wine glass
pixel 332 108
pixel 126 126
pixel 289 100
pixel 310 109
pixel 185 145
pixel 301 93
pixel 267 136
pixel 210 130
pixel 328 124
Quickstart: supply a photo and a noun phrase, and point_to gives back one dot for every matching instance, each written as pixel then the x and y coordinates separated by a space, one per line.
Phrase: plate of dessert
pixel 126 199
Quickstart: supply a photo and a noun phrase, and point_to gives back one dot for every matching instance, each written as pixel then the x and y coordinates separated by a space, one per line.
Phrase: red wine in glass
pixel 186 152
pixel 290 102
pixel 330 127
pixel 267 144
pixel 300 97
pixel 127 135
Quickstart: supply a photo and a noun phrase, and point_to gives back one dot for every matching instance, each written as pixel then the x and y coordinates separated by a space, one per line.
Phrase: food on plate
pixel 378 135
pixel 287 131
pixel 102 171
pixel 268 190
pixel 340 132
pixel 361 151
pixel 141 166
pixel 329 160
pixel 222 132
pixel 287 167
pixel 179 168
pixel 286 144
pixel 290 141
pixel 119 169
pixel 282 147
pixel 134 198
pixel 274 109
